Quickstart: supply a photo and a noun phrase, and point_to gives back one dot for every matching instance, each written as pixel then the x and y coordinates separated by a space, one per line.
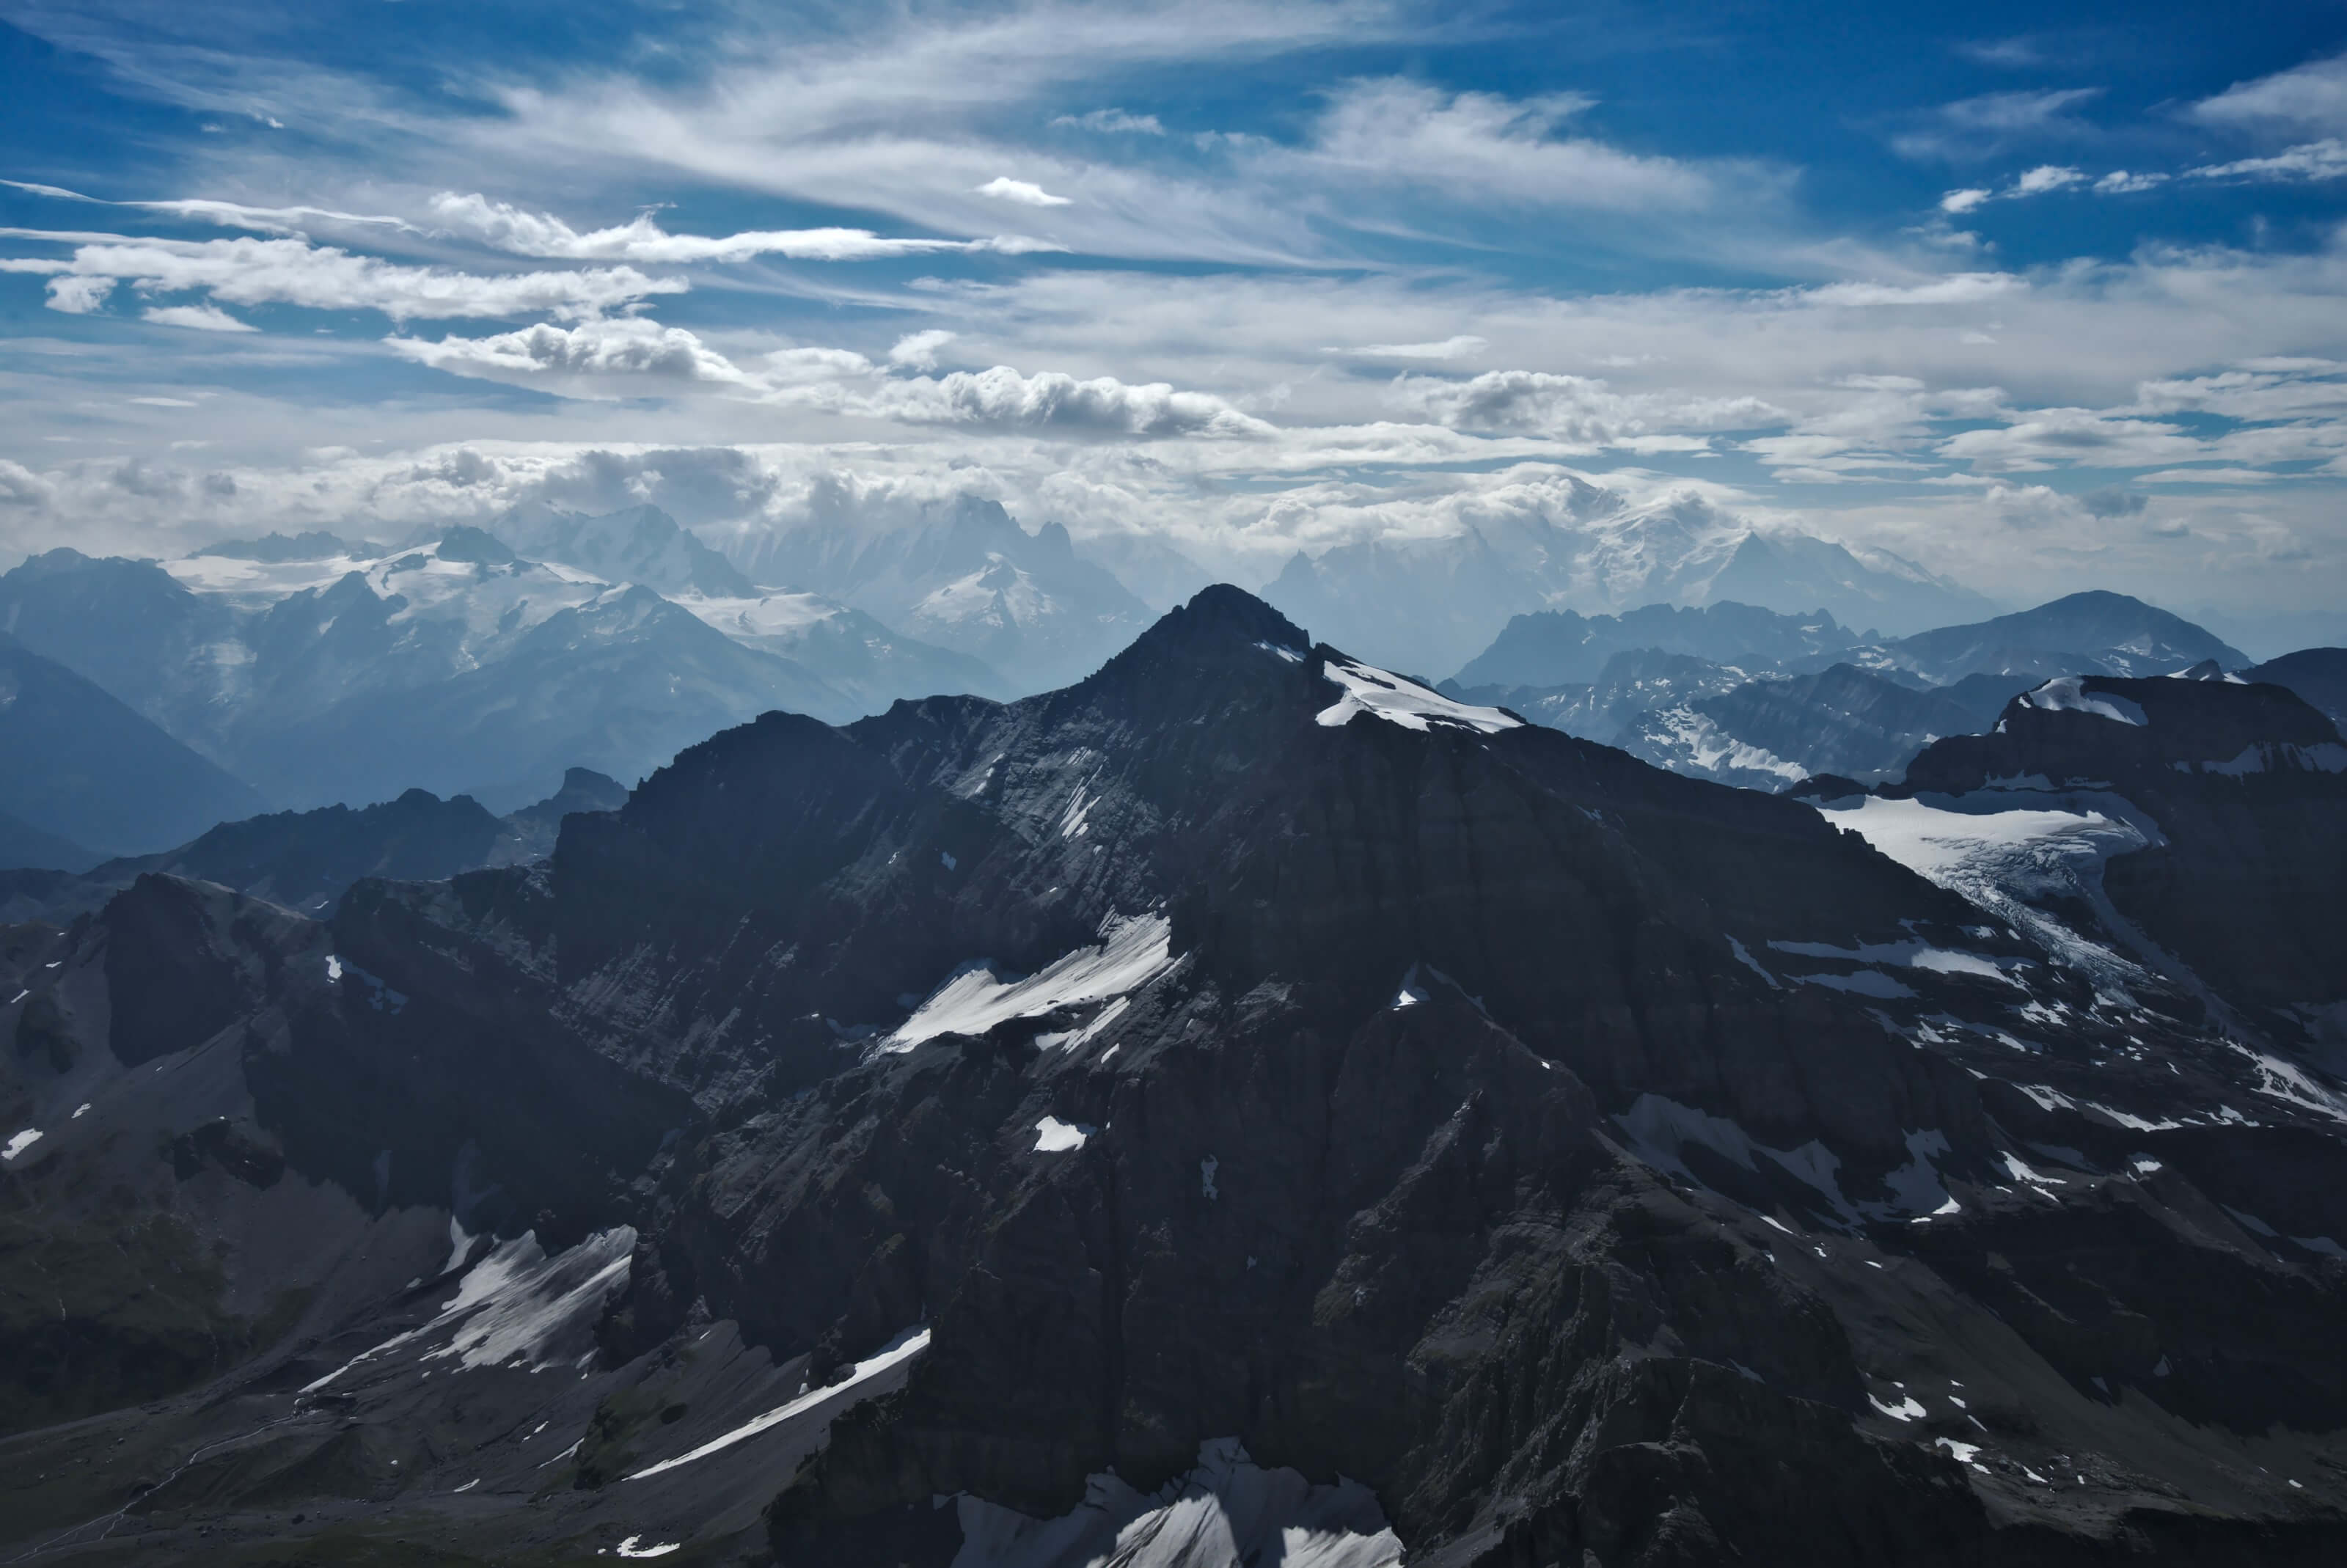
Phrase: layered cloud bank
pixel 975 255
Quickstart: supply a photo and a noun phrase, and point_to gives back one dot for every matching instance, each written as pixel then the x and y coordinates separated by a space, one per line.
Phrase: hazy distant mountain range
pixel 1429 606
pixel 1747 696
pixel 964 576
pixel 310 669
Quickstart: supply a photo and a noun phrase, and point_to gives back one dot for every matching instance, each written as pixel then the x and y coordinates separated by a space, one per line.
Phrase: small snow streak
pixel 904 1347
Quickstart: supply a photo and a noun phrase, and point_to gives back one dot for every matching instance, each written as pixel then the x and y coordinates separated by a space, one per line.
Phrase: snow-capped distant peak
pixel 1399 701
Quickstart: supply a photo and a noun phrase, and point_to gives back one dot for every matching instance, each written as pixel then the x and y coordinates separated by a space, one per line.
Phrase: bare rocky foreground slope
pixel 1242 1107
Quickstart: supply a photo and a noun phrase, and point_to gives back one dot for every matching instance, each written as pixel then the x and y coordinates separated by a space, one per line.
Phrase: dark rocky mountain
pixel 2316 674
pixel 2237 794
pixel 82 772
pixel 1379 1123
pixel 2095 633
pixel 1559 647
pixel 307 860
pixel 1843 719
pixel 536 827
pixel 964 577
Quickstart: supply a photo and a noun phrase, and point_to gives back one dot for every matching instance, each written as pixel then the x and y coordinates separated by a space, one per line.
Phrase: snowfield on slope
pixel 1133 952
pixel 1398 701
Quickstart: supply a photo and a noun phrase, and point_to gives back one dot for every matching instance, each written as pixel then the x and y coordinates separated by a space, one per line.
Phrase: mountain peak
pixel 1221 613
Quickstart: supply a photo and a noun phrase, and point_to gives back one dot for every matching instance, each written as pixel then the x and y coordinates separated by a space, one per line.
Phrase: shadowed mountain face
pixel 2086 634
pixel 2240 792
pixel 1558 648
pixel 2316 674
pixel 306 860
pixel 1403 1125
pixel 79 769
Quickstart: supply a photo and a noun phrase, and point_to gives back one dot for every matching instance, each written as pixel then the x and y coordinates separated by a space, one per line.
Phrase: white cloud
pixel 2124 182
pixel 203 318
pixel 1482 146
pixel 78 296
pixel 526 234
pixel 2047 176
pixel 1002 188
pixel 1002 398
pixel 1956 289
pixel 2324 160
pixel 2206 476
pixel 1457 347
pixel 2039 181
pixel 2309 96
pixel 1112 121
pixel 22 488
pixel 1981 126
pixel 1576 410
pixel 2046 439
pixel 918 351
pixel 320 277
pixel 594 358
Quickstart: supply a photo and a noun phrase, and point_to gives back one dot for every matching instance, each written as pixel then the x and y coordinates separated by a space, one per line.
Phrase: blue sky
pixel 2042 297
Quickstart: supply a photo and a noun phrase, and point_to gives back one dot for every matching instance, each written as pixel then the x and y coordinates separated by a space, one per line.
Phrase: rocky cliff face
pixel 1243 1069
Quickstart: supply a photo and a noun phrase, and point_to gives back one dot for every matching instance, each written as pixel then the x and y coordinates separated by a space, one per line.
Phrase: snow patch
pixel 1660 1129
pixel 1226 1511
pixel 2270 756
pixel 1389 697
pixel 1911 954
pixel 1293 655
pixel 1865 983
pixel 902 1349
pixel 519 1305
pixel 1907 1410
pixel 2068 695
pixel 1053 1137
pixel 1133 952
pixel 1749 962
pixel 20 1142
pixel 628 1547
pixel 1916 1187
